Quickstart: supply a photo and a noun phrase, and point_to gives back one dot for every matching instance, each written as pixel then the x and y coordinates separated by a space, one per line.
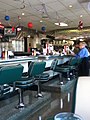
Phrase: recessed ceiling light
pixel 70 6
pixel 57 23
pixel 23 13
pixel 63 24
pixel 41 21
pixel 16 0
pixel 81 16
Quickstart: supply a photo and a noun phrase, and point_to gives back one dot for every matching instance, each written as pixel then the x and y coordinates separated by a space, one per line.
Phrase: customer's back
pixel 83 53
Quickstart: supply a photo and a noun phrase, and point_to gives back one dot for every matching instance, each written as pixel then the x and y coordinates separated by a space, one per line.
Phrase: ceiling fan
pixel 22 6
pixel 44 12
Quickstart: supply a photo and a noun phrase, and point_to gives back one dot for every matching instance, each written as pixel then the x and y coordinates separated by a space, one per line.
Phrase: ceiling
pixel 53 10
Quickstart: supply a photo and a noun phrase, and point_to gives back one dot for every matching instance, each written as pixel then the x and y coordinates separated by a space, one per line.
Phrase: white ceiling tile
pixel 68 2
pixel 47 1
pixel 56 6
pixel 33 12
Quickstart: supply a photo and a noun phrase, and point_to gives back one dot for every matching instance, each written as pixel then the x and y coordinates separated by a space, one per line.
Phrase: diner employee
pixel 29 48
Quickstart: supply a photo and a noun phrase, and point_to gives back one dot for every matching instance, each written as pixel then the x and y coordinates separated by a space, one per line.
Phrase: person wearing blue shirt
pixel 83 69
pixel 83 51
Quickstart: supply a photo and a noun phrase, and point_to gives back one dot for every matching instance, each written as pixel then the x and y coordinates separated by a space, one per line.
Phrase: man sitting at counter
pixel 84 54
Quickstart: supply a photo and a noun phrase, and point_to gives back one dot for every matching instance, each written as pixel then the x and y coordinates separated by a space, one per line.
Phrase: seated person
pixel 83 53
pixel 83 50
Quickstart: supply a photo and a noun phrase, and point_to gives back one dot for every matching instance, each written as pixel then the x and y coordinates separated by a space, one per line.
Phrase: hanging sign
pixel 80 26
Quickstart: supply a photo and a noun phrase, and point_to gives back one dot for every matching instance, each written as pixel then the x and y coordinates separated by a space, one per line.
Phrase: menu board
pixel 9 31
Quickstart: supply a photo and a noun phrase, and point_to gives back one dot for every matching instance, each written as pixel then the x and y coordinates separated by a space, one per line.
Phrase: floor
pixel 56 99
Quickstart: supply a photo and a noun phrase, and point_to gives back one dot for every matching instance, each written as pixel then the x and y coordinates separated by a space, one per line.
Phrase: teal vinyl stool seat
pixel 35 68
pixel 45 75
pixel 69 69
pixel 10 74
pixel 39 75
pixel 74 65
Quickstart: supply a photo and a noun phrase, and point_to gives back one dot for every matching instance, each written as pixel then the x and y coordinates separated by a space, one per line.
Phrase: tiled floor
pixel 56 99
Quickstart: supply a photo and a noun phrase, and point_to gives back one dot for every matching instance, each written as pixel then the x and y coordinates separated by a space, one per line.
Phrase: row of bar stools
pixel 28 81
pixel 12 75
pixel 69 69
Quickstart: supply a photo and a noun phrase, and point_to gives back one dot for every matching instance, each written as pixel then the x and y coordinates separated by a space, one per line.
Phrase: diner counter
pixel 16 59
pixel 24 60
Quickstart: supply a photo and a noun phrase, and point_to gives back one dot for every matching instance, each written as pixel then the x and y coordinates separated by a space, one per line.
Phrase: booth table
pixel 82 98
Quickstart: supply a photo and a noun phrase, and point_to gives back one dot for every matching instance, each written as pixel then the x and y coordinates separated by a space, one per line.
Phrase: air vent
pixel 83 1
pixel 16 0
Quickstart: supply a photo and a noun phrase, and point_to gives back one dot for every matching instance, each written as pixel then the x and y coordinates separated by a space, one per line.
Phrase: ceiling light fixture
pixel 81 16
pixel 44 12
pixel 23 13
pixel 41 21
pixel 62 24
pixel 70 6
pixel 57 23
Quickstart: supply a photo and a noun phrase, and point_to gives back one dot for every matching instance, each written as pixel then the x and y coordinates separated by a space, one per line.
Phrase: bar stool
pixel 68 69
pixel 10 74
pixel 28 81
pixel 44 77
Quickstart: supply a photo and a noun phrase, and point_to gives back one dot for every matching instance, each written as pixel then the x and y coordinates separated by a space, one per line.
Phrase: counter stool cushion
pixel 43 77
pixel 62 69
pixel 25 82
pixel 37 68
